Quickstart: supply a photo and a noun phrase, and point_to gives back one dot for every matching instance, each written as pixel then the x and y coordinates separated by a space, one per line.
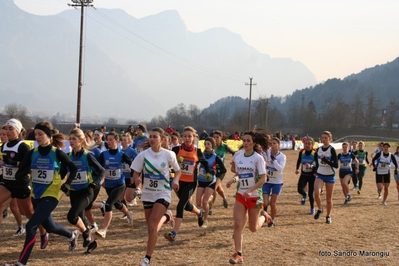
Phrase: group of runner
pixel 158 163
pixel 316 168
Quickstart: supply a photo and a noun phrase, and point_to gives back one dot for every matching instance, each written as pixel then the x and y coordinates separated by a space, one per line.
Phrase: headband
pixel 98 132
pixel 15 124
pixel 45 129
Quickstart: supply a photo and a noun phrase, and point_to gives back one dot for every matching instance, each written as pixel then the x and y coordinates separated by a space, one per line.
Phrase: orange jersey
pixel 189 164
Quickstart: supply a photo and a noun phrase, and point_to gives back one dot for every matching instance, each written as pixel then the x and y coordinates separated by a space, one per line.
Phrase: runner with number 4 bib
pixel 188 157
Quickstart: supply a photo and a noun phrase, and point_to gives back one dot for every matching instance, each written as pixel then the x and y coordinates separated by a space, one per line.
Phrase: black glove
pixel 65 188
pixel 212 172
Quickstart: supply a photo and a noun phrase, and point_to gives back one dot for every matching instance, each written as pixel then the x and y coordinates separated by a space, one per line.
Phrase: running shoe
pixel 129 219
pixel 303 200
pixel 312 212
pixel 379 196
pixel 102 208
pixel 92 246
pixel 317 215
pixel 321 192
pixel 210 204
pixel 20 231
pixel 328 220
pixel 210 211
pixel 170 236
pixel 200 218
pixel 236 259
pixel 102 233
pixel 86 238
pixel 124 217
pixel 145 262
pixel 137 193
pixel 267 216
pixel 359 191
pixel 349 197
pixel 44 241
pixel 204 224
pixel 93 228
pixel 384 203
pixel 73 241
pixel 225 202
pixel 5 213
pixel 270 224
pixel 132 203
pixel 346 201
pixel 16 264
pixel 171 220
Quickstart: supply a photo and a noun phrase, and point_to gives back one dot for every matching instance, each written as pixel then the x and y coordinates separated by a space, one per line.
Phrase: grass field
pixel 364 225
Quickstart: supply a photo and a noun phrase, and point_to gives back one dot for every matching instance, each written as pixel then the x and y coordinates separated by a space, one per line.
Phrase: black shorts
pixel 148 205
pixel 21 192
pixel 211 185
pixel 128 184
pixel 383 178
pixel 343 174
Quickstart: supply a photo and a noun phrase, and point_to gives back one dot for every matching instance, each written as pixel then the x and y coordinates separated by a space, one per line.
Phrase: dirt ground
pixel 364 225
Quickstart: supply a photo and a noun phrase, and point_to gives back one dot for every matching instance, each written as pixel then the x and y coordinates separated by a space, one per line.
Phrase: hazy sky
pixel 333 38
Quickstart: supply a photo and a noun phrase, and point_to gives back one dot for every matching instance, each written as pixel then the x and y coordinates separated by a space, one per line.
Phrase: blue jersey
pixel 138 141
pixel 46 178
pixel 345 162
pixel 132 153
pixel 113 169
pixel 84 175
pixel 212 166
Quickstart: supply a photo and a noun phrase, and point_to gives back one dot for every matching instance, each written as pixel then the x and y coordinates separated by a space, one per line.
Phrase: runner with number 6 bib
pixel 114 184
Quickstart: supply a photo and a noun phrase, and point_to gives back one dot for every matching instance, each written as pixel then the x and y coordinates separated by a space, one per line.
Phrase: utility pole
pixel 267 112
pixel 250 99
pixel 81 4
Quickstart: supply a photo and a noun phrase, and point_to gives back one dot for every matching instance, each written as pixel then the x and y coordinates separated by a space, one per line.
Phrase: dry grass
pixel 297 239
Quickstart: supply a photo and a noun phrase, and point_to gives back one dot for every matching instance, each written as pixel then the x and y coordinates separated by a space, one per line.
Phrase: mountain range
pixel 133 68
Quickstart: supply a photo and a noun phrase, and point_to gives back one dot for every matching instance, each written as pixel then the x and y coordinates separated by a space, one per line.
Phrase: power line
pixel 165 51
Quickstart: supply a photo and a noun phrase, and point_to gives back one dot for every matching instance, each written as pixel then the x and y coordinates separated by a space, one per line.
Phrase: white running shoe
pixel 129 219
pixel 93 228
pixel 137 193
pixel 20 231
pixel 145 262
pixel 102 233
pixel 73 241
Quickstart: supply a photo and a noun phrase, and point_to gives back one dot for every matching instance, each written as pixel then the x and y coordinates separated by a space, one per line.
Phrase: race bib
pixel 113 174
pixel 187 167
pixel 202 172
pixel 125 168
pixel 246 180
pixel 307 170
pixel 271 174
pixel 81 178
pixel 345 165
pixel 42 174
pixel 9 172
pixel 154 183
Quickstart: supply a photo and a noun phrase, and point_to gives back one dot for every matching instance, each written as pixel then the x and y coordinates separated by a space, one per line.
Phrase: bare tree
pixel 372 110
pixel 18 111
